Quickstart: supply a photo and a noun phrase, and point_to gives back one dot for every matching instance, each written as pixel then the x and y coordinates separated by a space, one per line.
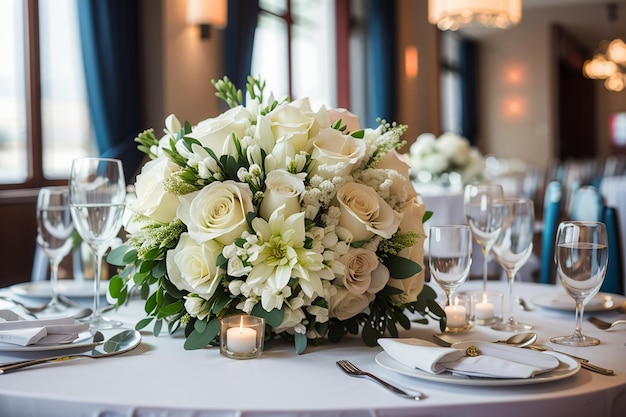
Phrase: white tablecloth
pixel 160 378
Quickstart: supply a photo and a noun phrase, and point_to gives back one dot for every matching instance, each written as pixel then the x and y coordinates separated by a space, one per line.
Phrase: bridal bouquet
pixel 272 209
pixel 446 160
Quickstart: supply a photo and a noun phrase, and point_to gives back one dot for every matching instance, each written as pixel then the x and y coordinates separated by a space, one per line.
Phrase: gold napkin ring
pixel 472 351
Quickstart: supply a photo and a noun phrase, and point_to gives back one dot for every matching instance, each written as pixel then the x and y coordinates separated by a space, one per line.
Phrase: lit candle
pixel 241 339
pixel 484 309
pixel 455 315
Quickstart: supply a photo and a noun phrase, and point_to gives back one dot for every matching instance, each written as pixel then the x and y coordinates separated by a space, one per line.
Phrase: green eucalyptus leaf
pixel 115 286
pixel 359 134
pixel 156 330
pixel 116 256
pixel 369 335
pixel 143 323
pixel 200 326
pixel 401 268
pixel 273 318
pixel 171 309
pixel 159 269
pixel 300 341
pixel 197 340
pixel 427 215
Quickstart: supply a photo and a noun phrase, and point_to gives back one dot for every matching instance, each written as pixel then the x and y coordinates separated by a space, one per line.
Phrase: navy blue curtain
pixel 110 45
pixel 381 61
pixel 239 40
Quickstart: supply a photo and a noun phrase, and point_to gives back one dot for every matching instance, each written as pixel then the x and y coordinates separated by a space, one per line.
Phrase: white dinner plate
pixel 84 341
pixel 67 287
pixel 567 367
pixel 601 302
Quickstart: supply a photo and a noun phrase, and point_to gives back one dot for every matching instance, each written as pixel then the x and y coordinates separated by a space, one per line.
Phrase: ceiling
pixel 586 20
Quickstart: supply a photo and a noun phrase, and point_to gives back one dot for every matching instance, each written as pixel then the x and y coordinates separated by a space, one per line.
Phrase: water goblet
pixel 581 257
pixel 483 208
pixel 450 259
pixel 54 235
pixel 512 250
pixel 97 198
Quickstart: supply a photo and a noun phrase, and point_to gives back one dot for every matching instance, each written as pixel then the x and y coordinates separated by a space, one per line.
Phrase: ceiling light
pixel 452 14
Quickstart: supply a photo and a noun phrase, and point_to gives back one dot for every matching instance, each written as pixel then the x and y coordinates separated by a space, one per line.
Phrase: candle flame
pixel 484 297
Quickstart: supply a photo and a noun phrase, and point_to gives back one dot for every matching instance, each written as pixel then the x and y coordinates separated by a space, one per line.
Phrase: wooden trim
pixel 342 40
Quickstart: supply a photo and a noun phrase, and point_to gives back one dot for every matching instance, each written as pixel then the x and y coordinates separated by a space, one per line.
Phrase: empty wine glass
pixel 512 250
pixel 54 235
pixel 450 259
pixel 581 257
pixel 97 197
pixel 484 212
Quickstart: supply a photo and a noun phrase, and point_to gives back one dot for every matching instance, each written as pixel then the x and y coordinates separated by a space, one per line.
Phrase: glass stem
pixel 485 266
pixel 511 278
pixel 97 272
pixel 579 319
pixel 54 279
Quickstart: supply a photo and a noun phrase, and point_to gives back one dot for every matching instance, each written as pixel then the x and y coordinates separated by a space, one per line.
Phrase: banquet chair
pixel 551 215
pixel 587 204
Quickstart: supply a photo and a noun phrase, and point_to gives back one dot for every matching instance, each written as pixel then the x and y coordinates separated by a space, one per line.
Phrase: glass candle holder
pixel 459 314
pixel 487 307
pixel 241 336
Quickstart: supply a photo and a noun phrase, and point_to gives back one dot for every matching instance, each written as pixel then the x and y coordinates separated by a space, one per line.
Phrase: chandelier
pixel 609 62
pixel 452 14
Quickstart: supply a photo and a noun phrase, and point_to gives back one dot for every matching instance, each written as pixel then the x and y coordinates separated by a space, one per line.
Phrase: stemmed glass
pixel 512 250
pixel 97 196
pixel 54 232
pixel 581 257
pixel 484 212
pixel 450 257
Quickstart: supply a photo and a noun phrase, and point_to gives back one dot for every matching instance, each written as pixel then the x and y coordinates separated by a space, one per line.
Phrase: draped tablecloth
pixel 160 378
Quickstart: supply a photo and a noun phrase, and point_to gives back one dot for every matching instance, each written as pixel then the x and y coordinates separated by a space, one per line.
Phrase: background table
pixel 160 378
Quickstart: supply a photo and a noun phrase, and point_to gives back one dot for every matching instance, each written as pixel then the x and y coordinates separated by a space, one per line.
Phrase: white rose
pixel 197 307
pixel 215 133
pixel 348 119
pixel 455 147
pixel 364 213
pixel 152 199
pixel 435 163
pixel 332 147
pixel 291 319
pixel 295 119
pixel 359 263
pixel 425 143
pixel 282 189
pixel 217 212
pixel 192 266
pixel 411 221
pixel 474 168
pixel 344 304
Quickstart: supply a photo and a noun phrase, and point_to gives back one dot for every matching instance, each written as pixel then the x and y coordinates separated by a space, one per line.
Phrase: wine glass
pixel 512 249
pixel 97 196
pixel 581 258
pixel 450 258
pixel 484 212
pixel 54 232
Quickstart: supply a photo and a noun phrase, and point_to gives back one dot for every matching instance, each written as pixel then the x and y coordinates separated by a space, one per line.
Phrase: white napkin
pixel 15 330
pixel 495 360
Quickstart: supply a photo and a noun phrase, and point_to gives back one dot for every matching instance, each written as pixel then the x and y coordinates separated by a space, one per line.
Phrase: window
pixel 294 49
pixel 44 118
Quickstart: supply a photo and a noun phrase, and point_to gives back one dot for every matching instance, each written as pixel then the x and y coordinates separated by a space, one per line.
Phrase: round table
pixel 160 378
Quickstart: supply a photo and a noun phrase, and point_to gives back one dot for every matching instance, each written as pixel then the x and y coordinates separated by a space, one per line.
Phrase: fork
pixel 605 325
pixel 350 369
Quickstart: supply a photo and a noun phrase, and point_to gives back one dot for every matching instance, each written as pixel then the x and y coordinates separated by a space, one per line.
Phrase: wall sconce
pixel 207 13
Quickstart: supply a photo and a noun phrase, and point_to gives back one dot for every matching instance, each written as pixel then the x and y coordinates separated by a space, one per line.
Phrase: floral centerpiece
pixel 272 209
pixel 446 160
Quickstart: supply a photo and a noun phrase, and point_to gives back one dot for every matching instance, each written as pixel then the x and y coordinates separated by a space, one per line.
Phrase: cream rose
pixel 215 133
pixel 402 188
pixel 192 266
pixel 360 265
pixel 331 147
pixel 294 119
pixel 411 221
pixel 217 212
pixel 282 189
pixel 348 119
pixel 152 198
pixel 364 213
pixel 344 304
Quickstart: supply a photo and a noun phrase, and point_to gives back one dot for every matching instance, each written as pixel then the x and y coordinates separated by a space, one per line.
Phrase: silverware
pixel 350 369
pixel 122 342
pixel 605 325
pixel 31 311
pixel 522 303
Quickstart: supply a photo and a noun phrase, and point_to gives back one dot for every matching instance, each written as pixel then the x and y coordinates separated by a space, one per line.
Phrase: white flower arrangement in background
pixel 272 209
pixel 447 160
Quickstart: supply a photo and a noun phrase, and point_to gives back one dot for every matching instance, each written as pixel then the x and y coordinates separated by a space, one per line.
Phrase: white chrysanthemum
pixel 283 257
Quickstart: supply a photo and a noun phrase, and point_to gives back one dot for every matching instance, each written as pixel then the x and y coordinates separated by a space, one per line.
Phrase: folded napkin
pixel 494 361
pixel 15 330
